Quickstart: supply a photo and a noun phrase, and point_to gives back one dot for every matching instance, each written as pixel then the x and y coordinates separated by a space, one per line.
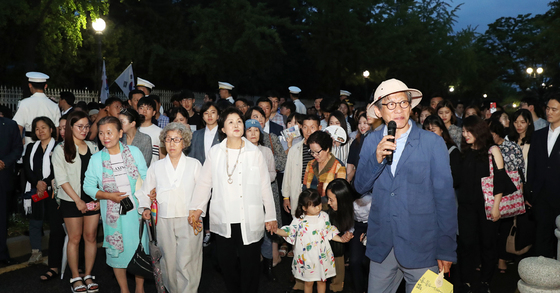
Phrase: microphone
pixel 391 129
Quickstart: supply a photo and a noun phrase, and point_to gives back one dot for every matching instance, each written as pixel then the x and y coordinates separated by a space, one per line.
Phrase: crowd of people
pixel 328 186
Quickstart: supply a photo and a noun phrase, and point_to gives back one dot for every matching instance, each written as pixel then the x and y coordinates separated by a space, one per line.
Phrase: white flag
pixel 126 80
pixel 104 94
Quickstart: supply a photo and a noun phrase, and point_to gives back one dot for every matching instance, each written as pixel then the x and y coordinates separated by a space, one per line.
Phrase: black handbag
pixel 126 205
pixel 141 263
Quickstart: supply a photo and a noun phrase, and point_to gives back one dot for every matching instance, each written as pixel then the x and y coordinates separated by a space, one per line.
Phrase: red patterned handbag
pixel 511 204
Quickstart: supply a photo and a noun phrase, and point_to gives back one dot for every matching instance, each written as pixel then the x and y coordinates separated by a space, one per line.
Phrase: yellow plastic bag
pixel 431 282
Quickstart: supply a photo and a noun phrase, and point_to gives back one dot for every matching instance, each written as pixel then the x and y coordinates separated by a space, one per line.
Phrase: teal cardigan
pixel 94 174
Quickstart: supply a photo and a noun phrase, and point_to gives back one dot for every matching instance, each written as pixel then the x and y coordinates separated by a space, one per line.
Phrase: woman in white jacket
pixel 236 176
pixel 174 179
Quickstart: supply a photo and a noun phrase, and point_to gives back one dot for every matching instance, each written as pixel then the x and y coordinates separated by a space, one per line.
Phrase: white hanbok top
pixel 174 187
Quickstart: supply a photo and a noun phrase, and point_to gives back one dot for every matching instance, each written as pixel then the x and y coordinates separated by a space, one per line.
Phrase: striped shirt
pixel 306 158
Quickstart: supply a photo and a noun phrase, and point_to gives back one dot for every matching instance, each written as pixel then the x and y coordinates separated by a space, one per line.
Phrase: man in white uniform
pixel 294 95
pixel 38 104
pixel 225 91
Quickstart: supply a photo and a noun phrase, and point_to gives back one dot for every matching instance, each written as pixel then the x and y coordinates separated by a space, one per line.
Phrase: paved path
pixel 26 278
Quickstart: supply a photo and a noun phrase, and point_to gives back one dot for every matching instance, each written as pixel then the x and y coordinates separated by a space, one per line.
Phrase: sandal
pixel 91 287
pixel 48 276
pixel 78 289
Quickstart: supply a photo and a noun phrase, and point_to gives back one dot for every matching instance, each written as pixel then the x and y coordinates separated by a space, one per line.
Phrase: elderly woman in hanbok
pixel 174 179
pixel 111 176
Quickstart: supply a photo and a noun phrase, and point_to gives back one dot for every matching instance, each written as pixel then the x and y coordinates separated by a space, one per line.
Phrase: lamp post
pixel 99 26
pixel 366 75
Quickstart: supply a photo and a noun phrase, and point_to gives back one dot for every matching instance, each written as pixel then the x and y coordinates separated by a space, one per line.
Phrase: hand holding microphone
pixel 387 145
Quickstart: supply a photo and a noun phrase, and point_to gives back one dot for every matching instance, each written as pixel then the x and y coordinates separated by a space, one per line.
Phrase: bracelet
pixel 286 198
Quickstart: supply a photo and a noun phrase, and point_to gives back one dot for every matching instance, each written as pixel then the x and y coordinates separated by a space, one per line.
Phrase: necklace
pixel 230 181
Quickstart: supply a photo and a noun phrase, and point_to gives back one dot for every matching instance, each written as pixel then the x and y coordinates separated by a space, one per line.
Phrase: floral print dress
pixel 313 256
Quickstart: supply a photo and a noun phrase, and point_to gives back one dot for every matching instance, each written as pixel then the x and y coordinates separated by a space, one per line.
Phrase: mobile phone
pixel 90 206
pixel 493 107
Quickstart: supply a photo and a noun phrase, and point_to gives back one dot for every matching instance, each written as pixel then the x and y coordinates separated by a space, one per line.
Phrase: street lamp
pixel 485 96
pixel 99 26
pixel 451 88
pixel 366 75
pixel 529 70
pixel 540 70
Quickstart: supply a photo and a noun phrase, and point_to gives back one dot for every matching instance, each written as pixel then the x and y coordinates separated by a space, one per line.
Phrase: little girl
pixel 310 233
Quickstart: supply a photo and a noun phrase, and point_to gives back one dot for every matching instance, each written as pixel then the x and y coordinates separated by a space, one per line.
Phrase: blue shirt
pixel 401 142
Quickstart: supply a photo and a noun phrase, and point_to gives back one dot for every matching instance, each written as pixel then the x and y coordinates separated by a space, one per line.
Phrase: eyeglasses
pixel 392 105
pixel 82 127
pixel 173 139
pixel 314 154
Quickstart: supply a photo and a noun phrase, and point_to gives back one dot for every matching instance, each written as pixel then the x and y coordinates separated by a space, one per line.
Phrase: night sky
pixel 483 12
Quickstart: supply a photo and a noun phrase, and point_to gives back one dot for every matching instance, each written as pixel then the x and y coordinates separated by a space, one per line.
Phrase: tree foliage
pixel 319 45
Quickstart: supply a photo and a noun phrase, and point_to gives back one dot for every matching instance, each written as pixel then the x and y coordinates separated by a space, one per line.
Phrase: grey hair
pixel 378 103
pixel 184 131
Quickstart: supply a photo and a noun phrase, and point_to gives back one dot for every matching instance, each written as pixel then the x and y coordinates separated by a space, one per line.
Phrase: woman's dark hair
pixel 496 126
pixel 205 108
pixel 223 116
pixel 483 138
pixel 345 196
pixel 476 109
pixel 299 117
pixel 359 135
pixel 347 107
pixel 110 120
pixel 323 139
pixel 340 117
pixel 249 112
pixel 261 139
pixel 133 116
pixel 47 121
pixel 449 105
pixel 69 146
pixel 307 198
pixel 435 120
pixel 173 113
pixel 513 135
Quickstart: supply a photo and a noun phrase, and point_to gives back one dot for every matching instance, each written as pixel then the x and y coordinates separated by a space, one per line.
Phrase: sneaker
pixel 206 240
pixel 36 256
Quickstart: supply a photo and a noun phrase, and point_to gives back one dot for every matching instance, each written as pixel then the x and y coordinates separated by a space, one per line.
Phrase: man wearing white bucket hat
pixel 412 221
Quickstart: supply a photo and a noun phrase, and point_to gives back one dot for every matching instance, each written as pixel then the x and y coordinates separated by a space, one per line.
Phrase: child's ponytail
pixel 307 198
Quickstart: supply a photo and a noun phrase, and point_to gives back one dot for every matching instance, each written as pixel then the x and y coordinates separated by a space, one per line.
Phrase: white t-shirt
pixel 208 139
pixel 153 131
pixel 235 203
pixel 121 177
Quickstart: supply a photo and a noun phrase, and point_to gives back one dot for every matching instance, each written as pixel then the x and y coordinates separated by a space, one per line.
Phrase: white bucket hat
pixel 392 86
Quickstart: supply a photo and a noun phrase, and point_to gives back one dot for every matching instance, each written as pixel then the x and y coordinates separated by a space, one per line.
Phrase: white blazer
pixel 258 203
pixel 174 187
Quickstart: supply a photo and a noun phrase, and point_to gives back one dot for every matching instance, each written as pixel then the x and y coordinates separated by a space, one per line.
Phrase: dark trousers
pixel 476 234
pixel 545 215
pixel 3 224
pixel 240 264
pixel 359 263
pixel 56 237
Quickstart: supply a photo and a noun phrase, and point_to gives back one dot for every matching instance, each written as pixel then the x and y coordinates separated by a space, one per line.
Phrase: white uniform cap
pixel 222 85
pixel 36 76
pixel 345 93
pixel 294 90
pixel 145 83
